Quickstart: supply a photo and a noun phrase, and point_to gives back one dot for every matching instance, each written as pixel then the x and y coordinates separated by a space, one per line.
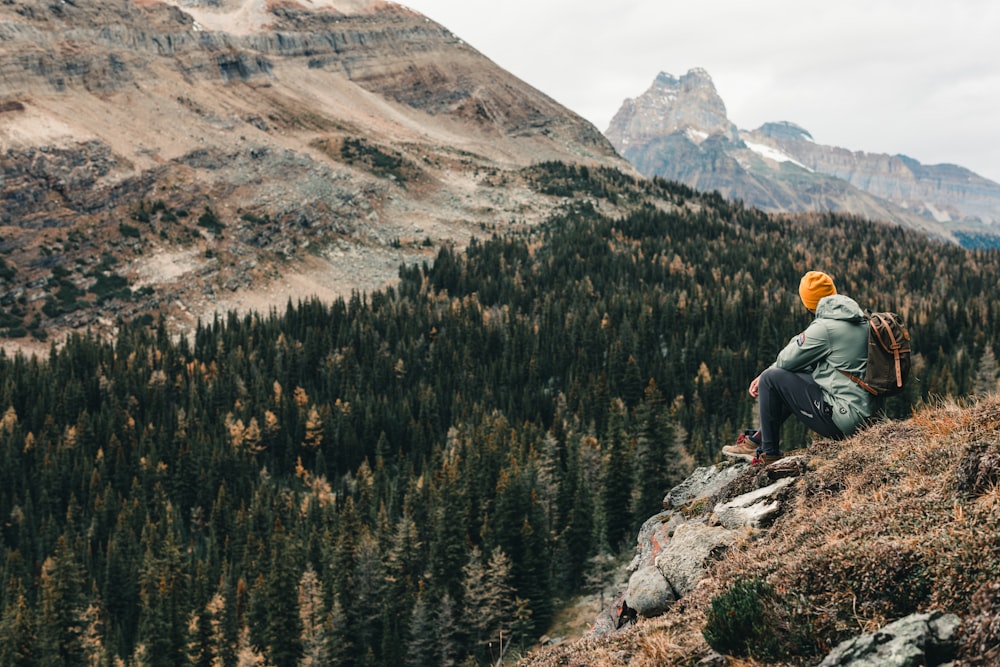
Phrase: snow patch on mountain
pixel 773 154
pixel 939 216
pixel 696 136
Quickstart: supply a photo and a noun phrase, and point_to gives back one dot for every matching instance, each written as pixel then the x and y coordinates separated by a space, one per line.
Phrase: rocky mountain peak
pixel 678 129
pixel 688 104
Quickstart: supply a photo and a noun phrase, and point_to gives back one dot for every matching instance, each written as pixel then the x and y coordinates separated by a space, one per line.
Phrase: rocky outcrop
pixel 756 509
pixel 684 561
pixel 714 508
pixel 678 129
pixel 920 640
pixel 676 548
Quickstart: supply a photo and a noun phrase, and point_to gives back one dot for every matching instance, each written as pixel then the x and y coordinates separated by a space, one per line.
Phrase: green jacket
pixel 836 339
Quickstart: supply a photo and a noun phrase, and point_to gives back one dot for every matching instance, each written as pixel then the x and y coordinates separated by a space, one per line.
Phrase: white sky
pixel 917 77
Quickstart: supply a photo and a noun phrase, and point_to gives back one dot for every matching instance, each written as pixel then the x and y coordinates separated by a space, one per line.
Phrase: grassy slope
pixel 903 517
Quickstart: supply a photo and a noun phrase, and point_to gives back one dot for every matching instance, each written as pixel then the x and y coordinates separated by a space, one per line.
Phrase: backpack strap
pixel 854 378
pixel 861 383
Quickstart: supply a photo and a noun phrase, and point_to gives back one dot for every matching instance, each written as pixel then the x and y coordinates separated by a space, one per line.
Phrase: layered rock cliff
pixel 237 153
pixel 678 129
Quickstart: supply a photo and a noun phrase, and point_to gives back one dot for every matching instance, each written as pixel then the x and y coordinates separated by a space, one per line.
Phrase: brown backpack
pixel 888 355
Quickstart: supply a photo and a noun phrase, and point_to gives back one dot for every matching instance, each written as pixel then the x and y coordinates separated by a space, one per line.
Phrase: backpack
pixel 888 355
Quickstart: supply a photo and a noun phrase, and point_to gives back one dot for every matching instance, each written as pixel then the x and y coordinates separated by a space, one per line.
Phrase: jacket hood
pixel 839 307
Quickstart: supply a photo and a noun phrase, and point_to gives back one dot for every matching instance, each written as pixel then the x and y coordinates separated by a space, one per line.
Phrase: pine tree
pixel 421 635
pixel 987 373
pixel 60 620
pixel 448 649
pixel 281 592
pixel 17 630
pixel 488 599
pixel 164 612
pixel 314 619
pixel 618 481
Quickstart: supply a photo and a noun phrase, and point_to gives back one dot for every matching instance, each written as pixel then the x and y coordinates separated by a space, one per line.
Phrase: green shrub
pixel 379 162
pixel 210 221
pixel 10 320
pixel 752 620
pixel 111 286
pixel 736 617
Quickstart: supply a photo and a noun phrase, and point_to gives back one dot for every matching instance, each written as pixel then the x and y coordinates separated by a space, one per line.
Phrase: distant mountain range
pixel 678 129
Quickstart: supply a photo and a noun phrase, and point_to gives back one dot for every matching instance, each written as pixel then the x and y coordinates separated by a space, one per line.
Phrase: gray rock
pixel 606 622
pixel 653 536
pixel 754 509
pixel 648 592
pixel 919 640
pixel 685 559
pixel 702 483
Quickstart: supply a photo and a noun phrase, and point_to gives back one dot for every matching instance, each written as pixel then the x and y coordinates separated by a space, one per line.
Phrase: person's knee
pixel 770 376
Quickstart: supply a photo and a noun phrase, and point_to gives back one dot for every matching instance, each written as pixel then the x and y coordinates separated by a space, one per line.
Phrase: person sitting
pixel 805 379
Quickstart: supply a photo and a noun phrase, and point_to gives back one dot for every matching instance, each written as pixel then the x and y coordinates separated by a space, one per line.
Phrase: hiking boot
pixel 766 459
pixel 746 447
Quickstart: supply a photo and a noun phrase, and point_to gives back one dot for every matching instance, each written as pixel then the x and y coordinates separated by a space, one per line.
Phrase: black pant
pixel 783 393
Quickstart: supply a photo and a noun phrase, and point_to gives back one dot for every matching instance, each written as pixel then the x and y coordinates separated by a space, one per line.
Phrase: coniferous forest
pixel 394 478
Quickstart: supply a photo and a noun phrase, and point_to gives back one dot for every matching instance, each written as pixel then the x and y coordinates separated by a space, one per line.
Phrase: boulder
pixel 919 640
pixel 755 509
pixel 685 559
pixel 606 622
pixel 648 592
pixel 653 536
pixel 702 483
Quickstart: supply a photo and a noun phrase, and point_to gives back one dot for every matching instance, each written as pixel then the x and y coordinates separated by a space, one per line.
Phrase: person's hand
pixel 754 384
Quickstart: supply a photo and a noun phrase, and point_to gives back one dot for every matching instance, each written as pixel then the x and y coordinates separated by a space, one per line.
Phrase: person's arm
pixel 801 354
pixel 805 350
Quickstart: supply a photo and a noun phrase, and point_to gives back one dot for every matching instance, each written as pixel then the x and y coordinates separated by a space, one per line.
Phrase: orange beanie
pixel 814 286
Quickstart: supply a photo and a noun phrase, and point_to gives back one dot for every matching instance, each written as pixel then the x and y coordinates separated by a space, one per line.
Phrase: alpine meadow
pixel 394 478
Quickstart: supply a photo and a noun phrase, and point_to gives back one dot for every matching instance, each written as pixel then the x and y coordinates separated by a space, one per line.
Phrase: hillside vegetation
pixel 394 478
pixel 902 518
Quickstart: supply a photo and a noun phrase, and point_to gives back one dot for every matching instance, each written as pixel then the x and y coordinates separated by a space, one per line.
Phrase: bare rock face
pixel 913 641
pixel 270 139
pixel 688 105
pixel 678 129
pixel 945 193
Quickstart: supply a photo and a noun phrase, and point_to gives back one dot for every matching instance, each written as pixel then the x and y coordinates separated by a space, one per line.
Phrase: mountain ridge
pixel 331 142
pixel 679 129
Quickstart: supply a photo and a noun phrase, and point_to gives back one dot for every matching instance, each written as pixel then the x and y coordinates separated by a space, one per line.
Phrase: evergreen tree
pixel 61 610
pixel 448 646
pixel 315 621
pixel 488 599
pixel 17 630
pixel 283 634
pixel 618 481
pixel 987 373
pixel 421 635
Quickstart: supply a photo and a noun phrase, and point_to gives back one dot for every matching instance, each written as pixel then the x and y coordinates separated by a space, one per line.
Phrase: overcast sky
pixel 917 77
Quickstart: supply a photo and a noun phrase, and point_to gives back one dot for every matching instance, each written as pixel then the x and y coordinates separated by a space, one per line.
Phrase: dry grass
pixel 903 517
